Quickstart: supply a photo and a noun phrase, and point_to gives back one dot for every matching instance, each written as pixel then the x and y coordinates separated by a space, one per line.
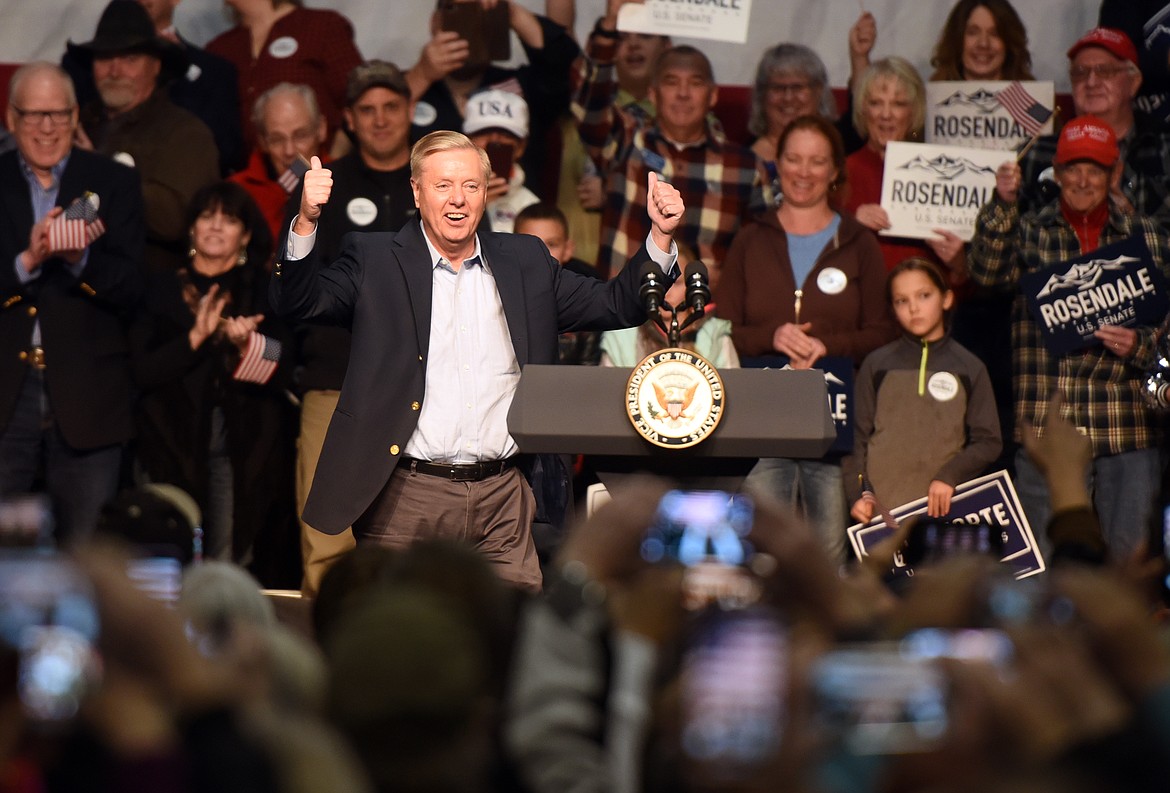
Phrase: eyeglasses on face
pixel 1104 71
pixel 780 89
pixel 35 118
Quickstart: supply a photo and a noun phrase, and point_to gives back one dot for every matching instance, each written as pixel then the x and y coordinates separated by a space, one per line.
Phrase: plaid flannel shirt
pixel 1145 175
pixel 719 180
pixel 1101 390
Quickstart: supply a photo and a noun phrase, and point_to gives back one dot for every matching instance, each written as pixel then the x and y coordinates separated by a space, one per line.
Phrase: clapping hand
pixel 207 316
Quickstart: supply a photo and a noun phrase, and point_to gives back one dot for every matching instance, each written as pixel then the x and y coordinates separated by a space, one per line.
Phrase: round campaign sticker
pixel 943 386
pixel 193 73
pixel 283 47
pixel 361 211
pixel 124 158
pixel 424 114
pixel 831 281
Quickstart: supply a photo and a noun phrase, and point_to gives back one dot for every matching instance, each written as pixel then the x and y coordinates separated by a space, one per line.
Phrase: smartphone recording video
pixel 501 156
pixel 48 616
pixel 707 531
pixel 159 577
pixel 879 701
pixel 933 541
pixel 891 697
pixel 734 682
pixel 26 521
pixel 487 31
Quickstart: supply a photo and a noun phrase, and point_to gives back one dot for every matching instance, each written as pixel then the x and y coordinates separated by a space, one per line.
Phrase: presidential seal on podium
pixel 675 398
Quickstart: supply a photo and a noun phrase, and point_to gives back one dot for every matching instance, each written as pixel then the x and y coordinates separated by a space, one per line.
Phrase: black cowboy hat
pixel 125 27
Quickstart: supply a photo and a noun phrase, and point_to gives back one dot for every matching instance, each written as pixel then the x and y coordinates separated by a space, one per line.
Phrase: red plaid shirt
pixel 719 181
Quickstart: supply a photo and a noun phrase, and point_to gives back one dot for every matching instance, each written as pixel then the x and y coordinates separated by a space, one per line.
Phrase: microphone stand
pixel 674 332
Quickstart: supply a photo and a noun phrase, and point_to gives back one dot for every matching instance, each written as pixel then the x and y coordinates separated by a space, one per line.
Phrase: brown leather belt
pixel 34 357
pixel 457 472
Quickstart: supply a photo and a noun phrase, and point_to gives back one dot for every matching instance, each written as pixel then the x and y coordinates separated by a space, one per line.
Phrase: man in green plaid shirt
pixel 1100 384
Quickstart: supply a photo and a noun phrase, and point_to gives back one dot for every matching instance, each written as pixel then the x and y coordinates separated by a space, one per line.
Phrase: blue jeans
pixel 1125 490
pixel 811 487
pixel 78 482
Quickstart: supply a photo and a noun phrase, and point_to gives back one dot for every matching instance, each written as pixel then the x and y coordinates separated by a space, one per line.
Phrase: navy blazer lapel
pixel 415 260
pixel 73 183
pixel 17 201
pixel 506 271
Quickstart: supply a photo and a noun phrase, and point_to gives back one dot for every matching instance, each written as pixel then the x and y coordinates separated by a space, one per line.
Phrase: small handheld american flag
pixel 1023 108
pixel 259 360
pixel 290 180
pixel 78 226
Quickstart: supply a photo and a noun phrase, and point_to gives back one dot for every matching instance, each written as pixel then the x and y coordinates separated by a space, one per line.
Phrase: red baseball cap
pixel 1087 138
pixel 1112 40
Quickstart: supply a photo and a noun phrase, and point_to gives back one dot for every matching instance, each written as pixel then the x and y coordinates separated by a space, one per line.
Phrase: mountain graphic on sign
pixel 1153 35
pixel 946 166
pixel 983 99
pixel 1084 275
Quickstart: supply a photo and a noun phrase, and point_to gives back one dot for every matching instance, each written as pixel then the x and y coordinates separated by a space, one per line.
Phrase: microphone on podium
pixel 653 290
pixel 698 291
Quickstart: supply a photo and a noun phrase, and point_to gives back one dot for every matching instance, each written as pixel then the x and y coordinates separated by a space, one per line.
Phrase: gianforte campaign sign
pixel 988 115
pixel 716 20
pixel 927 187
pixel 1117 284
pixel 989 499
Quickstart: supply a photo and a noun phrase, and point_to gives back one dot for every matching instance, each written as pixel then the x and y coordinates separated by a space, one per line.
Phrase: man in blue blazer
pixel 65 387
pixel 443 320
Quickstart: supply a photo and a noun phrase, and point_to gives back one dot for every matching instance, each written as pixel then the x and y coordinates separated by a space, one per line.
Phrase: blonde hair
pixel 906 77
pixel 440 141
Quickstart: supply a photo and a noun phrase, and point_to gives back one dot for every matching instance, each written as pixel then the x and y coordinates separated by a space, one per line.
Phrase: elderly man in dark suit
pixel 65 289
pixel 443 321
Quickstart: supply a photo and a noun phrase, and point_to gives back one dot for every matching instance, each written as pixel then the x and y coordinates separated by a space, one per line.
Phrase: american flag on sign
pixel 78 226
pixel 1028 113
pixel 259 361
pixel 290 180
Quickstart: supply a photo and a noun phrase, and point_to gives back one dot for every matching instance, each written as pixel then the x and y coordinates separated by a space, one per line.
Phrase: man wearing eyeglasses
pixel 65 389
pixel 1103 70
pixel 290 129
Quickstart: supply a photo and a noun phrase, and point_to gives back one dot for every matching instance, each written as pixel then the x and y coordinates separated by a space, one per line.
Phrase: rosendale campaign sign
pixel 1117 284
pixel 838 373
pixel 989 499
pixel 927 187
pixel 988 115
pixel 716 20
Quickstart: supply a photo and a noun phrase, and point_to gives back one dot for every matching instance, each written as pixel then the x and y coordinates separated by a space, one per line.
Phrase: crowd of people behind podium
pixel 151 393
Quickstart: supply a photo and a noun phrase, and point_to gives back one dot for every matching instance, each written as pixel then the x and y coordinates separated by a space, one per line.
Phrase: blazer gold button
pixel 414 406
pixel 394 449
pixel 32 311
pixel 23 355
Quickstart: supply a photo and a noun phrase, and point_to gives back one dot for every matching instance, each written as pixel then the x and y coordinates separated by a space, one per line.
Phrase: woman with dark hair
pixel 212 366
pixel 982 40
pixel 803 282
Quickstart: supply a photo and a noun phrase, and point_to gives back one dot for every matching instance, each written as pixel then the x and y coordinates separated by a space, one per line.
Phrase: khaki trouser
pixel 318 550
